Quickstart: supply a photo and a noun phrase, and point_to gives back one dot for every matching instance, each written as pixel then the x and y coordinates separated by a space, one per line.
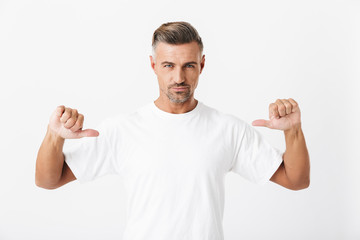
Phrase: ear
pixel 152 62
pixel 202 63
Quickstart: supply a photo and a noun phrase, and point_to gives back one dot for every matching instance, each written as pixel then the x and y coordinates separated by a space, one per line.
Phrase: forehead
pixel 186 51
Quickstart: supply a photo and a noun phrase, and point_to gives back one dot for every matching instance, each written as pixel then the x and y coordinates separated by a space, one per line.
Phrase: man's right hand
pixel 67 123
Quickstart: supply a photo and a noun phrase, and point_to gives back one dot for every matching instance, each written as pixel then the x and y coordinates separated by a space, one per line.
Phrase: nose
pixel 179 76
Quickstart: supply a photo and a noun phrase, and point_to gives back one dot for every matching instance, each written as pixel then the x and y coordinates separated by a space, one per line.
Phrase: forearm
pixel 50 160
pixel 296 157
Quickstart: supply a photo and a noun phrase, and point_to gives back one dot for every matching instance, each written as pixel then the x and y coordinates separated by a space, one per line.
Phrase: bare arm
pixel 51 169
pixel 294 172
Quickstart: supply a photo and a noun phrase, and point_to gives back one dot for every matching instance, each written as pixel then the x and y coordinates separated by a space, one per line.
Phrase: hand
pixel 284 114
pixel 67 123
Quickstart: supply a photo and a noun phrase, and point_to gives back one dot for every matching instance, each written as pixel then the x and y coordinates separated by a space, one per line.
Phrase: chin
pixel 179 100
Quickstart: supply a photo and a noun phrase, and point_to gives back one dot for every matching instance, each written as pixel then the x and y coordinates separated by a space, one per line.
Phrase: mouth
pixel 180 89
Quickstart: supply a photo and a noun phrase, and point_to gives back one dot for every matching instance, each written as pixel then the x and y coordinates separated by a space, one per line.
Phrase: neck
pixel 177 108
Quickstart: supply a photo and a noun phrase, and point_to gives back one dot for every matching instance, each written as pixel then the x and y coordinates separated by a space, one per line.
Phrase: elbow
pixel 45 186
pixel 301 185
pixel 43 183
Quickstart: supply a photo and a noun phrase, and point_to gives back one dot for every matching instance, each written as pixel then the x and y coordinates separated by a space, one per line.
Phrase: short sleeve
pixel 93 157
pixel 255 159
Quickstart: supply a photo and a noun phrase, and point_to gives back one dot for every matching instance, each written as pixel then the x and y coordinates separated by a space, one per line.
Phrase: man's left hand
pixel 284 114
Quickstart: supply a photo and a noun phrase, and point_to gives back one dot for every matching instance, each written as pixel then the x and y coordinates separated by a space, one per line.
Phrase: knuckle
pixel 67 111
pixel 75 127
pixel 65 116
pixel 292 100
pixel 70 122
pixel 77 124
pixel 81 117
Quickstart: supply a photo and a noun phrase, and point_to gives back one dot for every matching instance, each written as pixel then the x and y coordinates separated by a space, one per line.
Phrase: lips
pixel 179 88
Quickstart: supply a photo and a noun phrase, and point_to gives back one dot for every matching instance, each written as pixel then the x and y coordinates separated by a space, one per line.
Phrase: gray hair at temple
pixel 176 33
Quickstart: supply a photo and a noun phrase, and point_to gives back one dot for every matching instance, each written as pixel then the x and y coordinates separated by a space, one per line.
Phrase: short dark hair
pixel 176 33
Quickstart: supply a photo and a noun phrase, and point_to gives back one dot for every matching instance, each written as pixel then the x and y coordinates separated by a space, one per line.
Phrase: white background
pixel 94 56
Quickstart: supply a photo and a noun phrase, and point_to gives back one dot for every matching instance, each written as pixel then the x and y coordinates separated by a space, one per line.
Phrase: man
pixel 174 153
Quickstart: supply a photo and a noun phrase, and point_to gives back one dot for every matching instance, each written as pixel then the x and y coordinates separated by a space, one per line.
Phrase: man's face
pixel 177 68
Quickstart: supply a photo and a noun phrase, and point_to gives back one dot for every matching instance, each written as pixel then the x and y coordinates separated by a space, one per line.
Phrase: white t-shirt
pixel 173 167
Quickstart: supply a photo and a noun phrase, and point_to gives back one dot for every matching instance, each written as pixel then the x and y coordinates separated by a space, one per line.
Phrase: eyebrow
pixel 166 62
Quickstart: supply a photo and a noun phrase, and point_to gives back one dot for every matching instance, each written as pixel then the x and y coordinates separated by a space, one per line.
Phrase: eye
pixel 167 65
pixel 190 66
